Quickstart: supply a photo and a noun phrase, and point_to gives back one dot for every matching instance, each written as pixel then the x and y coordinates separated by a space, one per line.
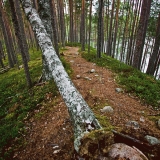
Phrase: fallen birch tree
pixel 87 130
pixel 82 117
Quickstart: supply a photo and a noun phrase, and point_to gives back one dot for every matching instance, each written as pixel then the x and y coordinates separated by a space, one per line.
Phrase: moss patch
pixel 96 143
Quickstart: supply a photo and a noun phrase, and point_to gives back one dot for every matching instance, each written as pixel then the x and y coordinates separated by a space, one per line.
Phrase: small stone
pixel 152 140
pixel 72 61
pixel 132 124
pixel 92 70
pixel 118 90
pixel 108 109
pixel 142 119
pixel 56 151
pixel 142 112
pixel 96 75
pixel 87 78
pixel 78 76
pixel 159 123
pixel 55 147
pixel 21 66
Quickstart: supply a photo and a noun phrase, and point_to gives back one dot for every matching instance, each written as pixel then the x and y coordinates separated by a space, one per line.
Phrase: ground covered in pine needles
pixel 49 133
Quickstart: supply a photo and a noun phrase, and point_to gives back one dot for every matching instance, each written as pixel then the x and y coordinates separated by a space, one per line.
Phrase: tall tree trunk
pixel 71 33
pixel 21 27
pixel 54 26
pixel 44 10
pixel 157 66
pixel 82 117
pixel 141 33
pixel 102 30
pixel 83 26
pixel 153 58
pixel 137 15
pixel 90 29
pixel 125 31
pixel 1 55
pixel 19 34
pixel 109 45
pixel 62 23
pixel 99 29
pixel 6 37
pixel 116 28
pixel 132 26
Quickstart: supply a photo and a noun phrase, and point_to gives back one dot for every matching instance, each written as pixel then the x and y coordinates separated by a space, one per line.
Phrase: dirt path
pixel 54 128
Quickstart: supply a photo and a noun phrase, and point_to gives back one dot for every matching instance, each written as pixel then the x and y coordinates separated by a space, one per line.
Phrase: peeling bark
pixel 82 117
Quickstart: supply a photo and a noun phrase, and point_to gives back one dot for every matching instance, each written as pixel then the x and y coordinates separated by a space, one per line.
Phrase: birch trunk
pixel 83 119
pixel 45 15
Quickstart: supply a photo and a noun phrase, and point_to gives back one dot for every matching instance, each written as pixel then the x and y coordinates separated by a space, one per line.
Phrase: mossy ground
pixel 18 102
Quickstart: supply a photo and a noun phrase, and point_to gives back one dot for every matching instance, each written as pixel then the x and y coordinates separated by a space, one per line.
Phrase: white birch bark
pixel 45 15
pixel 83 119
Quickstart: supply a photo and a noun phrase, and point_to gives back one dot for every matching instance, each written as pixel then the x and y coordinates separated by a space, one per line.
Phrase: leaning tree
pixel 83 119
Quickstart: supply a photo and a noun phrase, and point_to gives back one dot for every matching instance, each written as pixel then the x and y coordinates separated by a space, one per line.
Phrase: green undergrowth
pixel 73 44
pixel 132 80
pixel 17 102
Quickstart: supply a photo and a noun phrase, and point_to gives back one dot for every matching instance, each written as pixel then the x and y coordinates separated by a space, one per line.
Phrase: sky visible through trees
pixel 120 23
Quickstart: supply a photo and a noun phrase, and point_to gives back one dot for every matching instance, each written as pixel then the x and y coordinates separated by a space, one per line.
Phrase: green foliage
pixel 17 101
pixel 66 66
pixel 73 44
pixel 135 82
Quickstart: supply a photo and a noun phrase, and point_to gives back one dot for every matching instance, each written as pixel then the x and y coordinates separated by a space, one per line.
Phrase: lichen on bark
pixel 82 117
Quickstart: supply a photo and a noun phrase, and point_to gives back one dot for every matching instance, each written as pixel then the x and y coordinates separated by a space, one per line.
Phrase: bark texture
pixel 141 33
pixel 82 117
pixel 7 37
pixel 19 30
pixel 1 55
pixel 152 62
pixel 99 42
pixel 53 19
pixel 83 26
pixel 45 15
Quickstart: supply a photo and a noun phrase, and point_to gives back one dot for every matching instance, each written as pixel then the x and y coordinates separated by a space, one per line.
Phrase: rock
pixel 96 75
pixel 108 109
pixel 87 78
pixel 118 90
pixel 92 70
pixel 21 66
pixel 78 76
pixel 56 151
pixel 158 102
pixel 142 119
pixel 132 124
pixel 122 151
pixel 142 112
pixel 55 147
pixel 152 140
pixel 72 61
pixel 159 123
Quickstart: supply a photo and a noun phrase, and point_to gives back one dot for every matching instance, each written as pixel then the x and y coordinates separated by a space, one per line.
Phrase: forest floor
pixel 51 137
